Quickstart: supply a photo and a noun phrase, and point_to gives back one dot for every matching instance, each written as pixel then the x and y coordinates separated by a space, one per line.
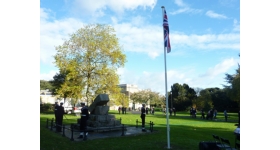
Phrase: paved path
pixel 106 134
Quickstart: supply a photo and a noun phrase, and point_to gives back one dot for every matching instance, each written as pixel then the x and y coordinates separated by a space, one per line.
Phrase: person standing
pixel 119 110
pixel 60 112
pixel 83 120
pixel 174 111
pixel 202 114
pixel 55 112
pixel 215 114
pixel 225 113
pixel 122 110
pixel 143 115
pixel 153 110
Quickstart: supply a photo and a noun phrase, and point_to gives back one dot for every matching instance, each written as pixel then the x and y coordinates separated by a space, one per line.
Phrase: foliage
pixel 147 97
pixel 90 59
pixel 121 99
pixel 67 84
pixel 45 85
pixel 46 107
pixel 182 96
pixel 233 87
pixel 204 101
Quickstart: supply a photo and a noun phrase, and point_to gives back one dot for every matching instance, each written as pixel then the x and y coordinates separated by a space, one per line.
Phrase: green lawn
pixel 185 133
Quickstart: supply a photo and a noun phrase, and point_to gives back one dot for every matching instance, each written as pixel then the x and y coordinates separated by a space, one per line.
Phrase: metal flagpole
pixel 166 96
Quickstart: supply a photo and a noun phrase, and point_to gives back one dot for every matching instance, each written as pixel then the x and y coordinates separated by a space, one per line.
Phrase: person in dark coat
pixel 83 120
pixel 119 110
pixel 170 111
pixel 143 115
pixel 55 112
pixel 174 111
pixel 122 110
pixel 202 114
pixel 60 113
pixel 225 114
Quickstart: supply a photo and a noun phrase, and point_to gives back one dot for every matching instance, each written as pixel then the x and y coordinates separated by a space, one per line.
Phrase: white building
pixel 128 89
pixel 47 97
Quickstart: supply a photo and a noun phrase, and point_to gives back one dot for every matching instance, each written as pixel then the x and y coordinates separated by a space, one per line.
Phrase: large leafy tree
pixel 147 96
pixel 182 96
pixel 121 99
pixel 204 100
pixel 91 57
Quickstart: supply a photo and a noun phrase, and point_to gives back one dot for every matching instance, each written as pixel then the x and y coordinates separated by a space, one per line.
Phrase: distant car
pixel 77 108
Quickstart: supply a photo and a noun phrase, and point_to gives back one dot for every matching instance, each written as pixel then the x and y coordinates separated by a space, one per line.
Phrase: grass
pixel 185 133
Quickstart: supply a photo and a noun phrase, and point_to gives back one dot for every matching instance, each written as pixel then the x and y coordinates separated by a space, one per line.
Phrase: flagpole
pixel 166 95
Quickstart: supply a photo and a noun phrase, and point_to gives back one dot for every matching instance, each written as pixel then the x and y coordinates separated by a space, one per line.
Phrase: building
pixel 47 97
pixel 128 89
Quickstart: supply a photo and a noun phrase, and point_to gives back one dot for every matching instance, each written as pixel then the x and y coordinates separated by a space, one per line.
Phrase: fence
pixel 151 124
pixel 122 127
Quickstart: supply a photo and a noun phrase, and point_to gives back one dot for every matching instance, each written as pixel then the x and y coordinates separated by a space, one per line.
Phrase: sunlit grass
pixel 185 132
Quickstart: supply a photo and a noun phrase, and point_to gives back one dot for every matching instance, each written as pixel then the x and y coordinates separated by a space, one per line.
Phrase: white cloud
pixel 187 10
pixel 180 3
pixel 52 34
pixel 47 76
pixel 207 41
pixel 135 36
pixel 147 39
pixel 156 80
pixel 220 68
pixel 212 14
pixel 118 6
pixel 236 25
pixel 184 8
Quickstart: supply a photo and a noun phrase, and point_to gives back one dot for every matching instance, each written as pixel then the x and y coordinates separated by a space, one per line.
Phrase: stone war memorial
pixel 99 118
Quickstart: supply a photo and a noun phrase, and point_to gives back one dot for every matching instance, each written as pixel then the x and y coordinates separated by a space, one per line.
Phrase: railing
pixel 151 124
pixel 123 128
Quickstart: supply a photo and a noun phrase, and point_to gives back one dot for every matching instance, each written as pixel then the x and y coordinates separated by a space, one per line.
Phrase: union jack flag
pixel 166 33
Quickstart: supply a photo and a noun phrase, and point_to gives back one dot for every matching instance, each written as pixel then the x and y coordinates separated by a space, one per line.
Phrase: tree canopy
pixel 148 97
pixel 89 59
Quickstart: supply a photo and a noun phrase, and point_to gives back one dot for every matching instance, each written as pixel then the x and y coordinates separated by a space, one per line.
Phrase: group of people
pixel 212 114
pixel 59 112
pixel 193 112
pixel 152 110
pixel 170 110
pixel 123 109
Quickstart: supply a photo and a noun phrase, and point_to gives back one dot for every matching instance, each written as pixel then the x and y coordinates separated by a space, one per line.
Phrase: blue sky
pixel 204 37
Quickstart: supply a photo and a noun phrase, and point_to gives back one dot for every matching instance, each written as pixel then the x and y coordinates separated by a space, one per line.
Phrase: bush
pixel 46 107
pixel 158 109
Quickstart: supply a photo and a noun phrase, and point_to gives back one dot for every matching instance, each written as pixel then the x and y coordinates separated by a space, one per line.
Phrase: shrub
pixel 46 107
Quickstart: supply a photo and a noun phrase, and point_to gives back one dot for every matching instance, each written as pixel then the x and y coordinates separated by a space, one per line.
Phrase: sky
pixel 204 37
